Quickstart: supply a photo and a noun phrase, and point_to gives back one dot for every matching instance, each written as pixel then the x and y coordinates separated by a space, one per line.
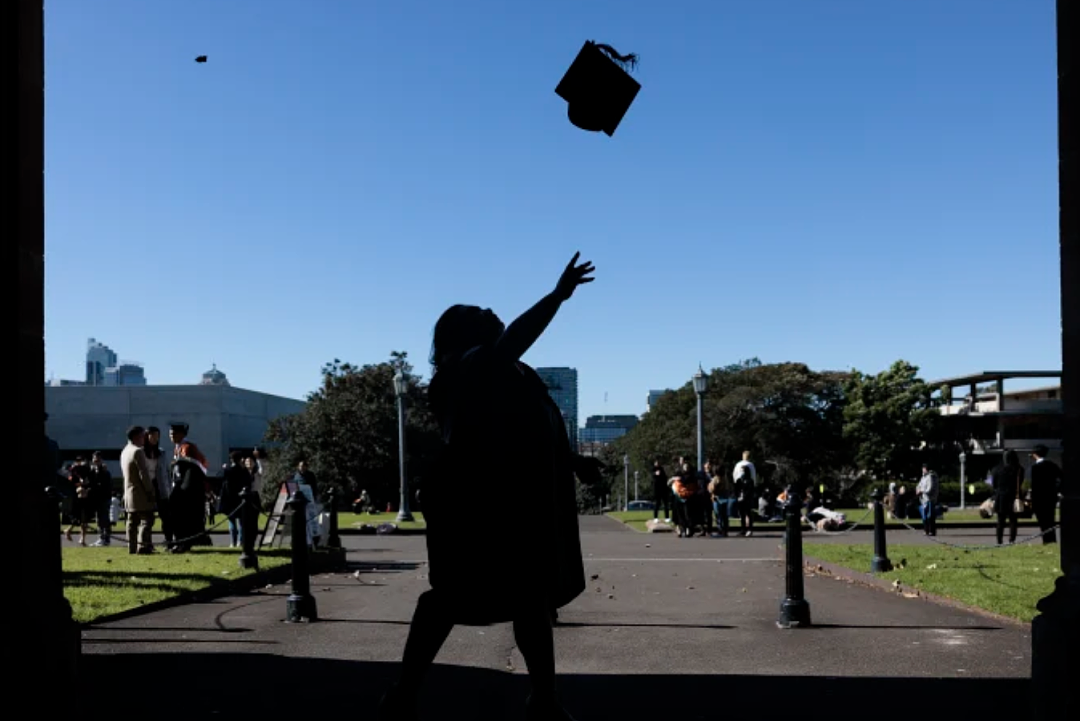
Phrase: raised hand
pixel 573 276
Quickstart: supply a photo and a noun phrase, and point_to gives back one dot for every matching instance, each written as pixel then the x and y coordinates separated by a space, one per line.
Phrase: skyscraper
pixel 99 358
pixel 562 384
pixel 654 396
pixel 126 373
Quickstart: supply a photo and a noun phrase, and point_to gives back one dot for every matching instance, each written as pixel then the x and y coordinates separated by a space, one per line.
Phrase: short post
pixel 249 528
pixel 880 563
pixel 963 480
pixel 794 609
pixel 300 606
pixel 333 539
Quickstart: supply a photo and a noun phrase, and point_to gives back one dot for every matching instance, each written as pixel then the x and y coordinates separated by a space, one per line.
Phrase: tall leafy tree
pixel 781 412
pixel 348 432
pixel 887 418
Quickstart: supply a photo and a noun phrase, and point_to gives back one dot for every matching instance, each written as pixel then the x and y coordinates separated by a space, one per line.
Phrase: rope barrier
pixel 982 547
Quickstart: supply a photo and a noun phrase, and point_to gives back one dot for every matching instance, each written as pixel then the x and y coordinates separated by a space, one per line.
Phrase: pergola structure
pixel 46 639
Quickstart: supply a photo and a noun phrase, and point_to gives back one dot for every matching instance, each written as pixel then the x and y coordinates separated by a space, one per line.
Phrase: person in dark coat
pixel 1046 483
pixel 237 480
pixel 493 411
pixel 1008 478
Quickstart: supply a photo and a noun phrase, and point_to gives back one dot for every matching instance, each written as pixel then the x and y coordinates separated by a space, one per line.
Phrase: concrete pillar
pixel 46 639
pixel 1055 632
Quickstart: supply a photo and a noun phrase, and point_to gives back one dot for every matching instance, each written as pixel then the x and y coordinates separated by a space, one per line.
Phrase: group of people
pixel 173 487
pixel 696 498
pixel 1008 503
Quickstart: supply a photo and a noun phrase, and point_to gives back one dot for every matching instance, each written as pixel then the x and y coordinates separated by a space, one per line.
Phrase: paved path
pixel 668 625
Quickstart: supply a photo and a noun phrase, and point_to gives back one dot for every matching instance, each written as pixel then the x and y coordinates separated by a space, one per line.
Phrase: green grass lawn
pixel 1008 582
pixel 345 520
pixel 103 581
pixel 352 520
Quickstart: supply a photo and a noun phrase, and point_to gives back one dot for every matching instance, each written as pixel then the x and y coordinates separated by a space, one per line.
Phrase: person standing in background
pixel 928 496
pixel 1046 483
pixel 101 497
pixel 139 493
pixel 1008 479
pixel 158 468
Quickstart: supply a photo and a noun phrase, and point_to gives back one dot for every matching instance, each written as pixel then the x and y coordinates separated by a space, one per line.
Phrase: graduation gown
pixel 187 503
pixel 506 447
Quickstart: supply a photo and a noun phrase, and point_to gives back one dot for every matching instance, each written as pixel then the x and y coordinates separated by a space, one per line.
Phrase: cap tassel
pixel 626 62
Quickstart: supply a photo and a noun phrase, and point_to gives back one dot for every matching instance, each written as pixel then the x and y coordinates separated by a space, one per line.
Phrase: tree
pixel 887 419
pixel 781 412
pixel 348 431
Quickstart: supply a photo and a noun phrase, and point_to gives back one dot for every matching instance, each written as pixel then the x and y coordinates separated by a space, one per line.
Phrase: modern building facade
pixel 562 384
pixel 83 419
pixel 654 396
pixel 126 373
pixel 605 429
pixel 99 358
pixel 989 419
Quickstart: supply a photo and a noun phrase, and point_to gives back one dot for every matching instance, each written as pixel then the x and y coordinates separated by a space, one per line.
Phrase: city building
pixel 126 373
pixel 604 429
pixel 988 419
pixel 562 384
pixel 99 358
pixel 83 419
pixel 654 396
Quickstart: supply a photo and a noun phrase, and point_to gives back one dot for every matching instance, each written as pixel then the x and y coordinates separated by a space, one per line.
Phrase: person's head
pixel 1011 459
pixel 892 487
pixel 657 463
pixel 1040 452
pixel 96 459
pixel 708 466
pixel 236 458
pixel 746 455
pixel 249 463
pixel 461 328
pixel 925 469
pixel 153 436
pixel 80 461
pixel 255 454
pixel 178 432
pixel 137 435
pixel 301 466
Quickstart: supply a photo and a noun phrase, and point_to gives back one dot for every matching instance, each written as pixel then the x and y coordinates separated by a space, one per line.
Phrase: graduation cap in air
pixel 597 88
pixel 201 59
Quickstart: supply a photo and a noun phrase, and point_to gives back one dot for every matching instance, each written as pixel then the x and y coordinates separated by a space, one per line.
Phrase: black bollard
pixel 794 610
pixel 249 528
pixel 880 562
pixel 300 606
pixel 333 539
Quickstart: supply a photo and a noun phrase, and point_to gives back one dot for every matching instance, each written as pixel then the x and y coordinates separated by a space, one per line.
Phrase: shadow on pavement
pixel 270 685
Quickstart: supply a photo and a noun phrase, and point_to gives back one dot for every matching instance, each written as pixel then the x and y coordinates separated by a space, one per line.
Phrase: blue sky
pixel 841 183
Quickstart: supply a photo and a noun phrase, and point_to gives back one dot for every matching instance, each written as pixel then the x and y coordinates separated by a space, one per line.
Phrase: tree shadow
pixel 905 628
pixel 330 687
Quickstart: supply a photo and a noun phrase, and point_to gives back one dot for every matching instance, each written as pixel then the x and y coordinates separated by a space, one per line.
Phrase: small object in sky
pixel 597 88
pixel 201 59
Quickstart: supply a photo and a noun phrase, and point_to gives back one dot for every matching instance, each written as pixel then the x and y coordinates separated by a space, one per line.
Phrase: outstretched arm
pixel 523 332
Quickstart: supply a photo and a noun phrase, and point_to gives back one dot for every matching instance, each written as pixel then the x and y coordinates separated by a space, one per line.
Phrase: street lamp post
pixel 701 383
pixel 400 386
pixel 635 485
pixel 963 479
pixel 626 482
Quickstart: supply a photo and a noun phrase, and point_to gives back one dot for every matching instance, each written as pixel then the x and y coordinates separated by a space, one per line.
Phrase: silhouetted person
pixel 493 411
pixel 661 492
pixel 1008 478
pixel 1046 483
